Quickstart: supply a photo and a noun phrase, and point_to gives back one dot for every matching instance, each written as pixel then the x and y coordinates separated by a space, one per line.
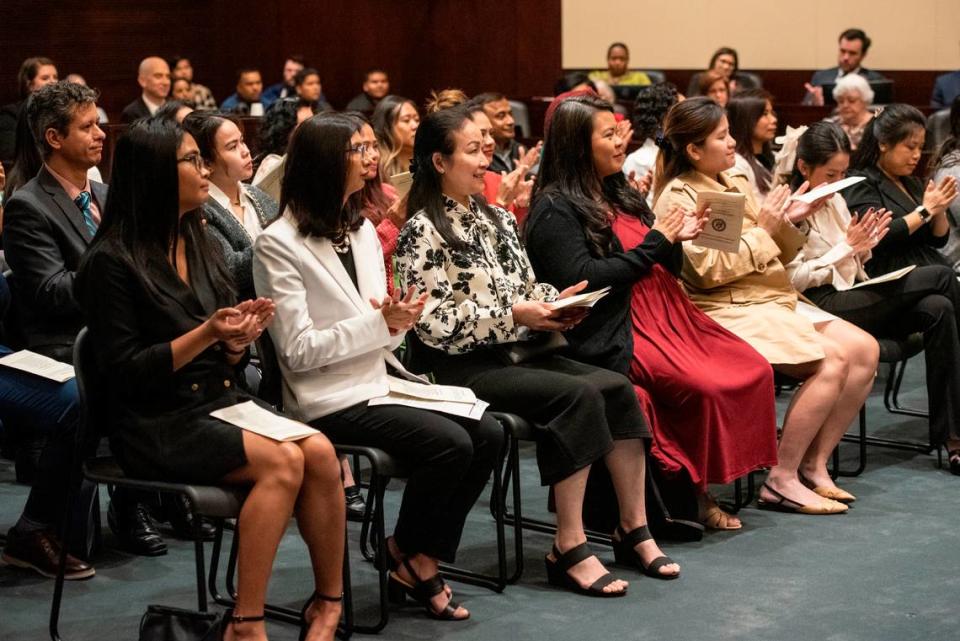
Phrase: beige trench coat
pixel 749 292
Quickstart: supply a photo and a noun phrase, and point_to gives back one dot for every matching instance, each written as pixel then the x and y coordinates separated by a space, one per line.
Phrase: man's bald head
pixel 154 77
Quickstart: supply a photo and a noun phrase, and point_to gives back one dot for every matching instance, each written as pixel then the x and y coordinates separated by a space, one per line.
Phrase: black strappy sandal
pixel 557 573
pixel 304 624
pixel 625 553
pixel 422 591
pixel 229 618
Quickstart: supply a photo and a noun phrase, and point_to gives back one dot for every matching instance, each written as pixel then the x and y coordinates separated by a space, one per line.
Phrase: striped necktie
pixel 83 202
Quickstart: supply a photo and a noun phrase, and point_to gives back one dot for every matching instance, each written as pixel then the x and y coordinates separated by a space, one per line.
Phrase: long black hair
pixel 204 127
pixel 315 179
pixel 818 144
pixel 744 110
pixel 567 171
pixel 435 135
pixel 26 153
pixel 952 143
pixel 893 125
pixel 141 221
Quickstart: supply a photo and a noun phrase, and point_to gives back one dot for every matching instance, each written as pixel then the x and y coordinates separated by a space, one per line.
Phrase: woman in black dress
pixel 170 341
pixel 887 157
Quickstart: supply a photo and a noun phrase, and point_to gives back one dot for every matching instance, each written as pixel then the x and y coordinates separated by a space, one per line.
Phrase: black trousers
pixel 583 409
pixel 926 300
pixel 450 458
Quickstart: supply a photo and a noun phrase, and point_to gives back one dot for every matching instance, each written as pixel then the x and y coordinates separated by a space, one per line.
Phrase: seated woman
pixel 618 68
pixel 724 62
pixel 708 394
pixel 887 157
pixel 946 162
pixel 484 308
pixel 926 299
pixel 175 110
pixel 309 93
pixel 334 329
pixel 753 124
pixel 749 293
pixel 235 212
pixel 649 109
pixel 395 121
pixel 170 342
pixel 510 191
pixel 853 96
pixel 715 85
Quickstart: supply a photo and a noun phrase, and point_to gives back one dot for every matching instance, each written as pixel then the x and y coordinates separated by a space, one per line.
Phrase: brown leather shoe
pixel 40 551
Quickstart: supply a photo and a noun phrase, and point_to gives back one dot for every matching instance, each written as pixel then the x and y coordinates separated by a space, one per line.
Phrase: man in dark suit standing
pixel 154 79
pixel 854 45
pixel 48 225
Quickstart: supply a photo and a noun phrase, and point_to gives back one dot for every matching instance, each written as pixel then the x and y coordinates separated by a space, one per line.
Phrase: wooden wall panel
pixel 498 44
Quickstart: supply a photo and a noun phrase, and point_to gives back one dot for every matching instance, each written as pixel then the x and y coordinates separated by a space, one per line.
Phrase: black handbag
pixel 545 344
pixel 163 623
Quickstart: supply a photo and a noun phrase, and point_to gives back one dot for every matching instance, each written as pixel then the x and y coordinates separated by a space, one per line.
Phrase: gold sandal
pixel 715 518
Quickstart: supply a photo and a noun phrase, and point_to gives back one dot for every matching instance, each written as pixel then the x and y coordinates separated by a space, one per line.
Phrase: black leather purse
pixel 163 623
pixel 544 344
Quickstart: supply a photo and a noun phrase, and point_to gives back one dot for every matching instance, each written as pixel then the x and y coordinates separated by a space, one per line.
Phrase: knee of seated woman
pixel 319 455
pixel 286 462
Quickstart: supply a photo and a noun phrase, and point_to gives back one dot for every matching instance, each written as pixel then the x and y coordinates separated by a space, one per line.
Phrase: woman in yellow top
pixel 617 72
pixel 749 293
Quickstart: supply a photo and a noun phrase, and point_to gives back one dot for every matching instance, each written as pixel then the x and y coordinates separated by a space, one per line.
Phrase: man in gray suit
pixel 854 45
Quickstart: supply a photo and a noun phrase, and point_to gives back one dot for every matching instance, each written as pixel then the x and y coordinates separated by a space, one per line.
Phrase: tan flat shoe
pixel 783 504
pixel 835 493
pixel 715 518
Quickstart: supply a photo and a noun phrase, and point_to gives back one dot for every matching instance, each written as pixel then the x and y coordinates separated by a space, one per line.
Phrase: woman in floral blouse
pixel 481 328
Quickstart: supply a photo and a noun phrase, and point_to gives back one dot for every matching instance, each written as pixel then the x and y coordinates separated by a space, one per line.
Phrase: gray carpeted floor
pixel 888 570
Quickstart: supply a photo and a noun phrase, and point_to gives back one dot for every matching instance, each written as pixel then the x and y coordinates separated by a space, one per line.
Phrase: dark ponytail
pixel 818 144
pixel 891 126
pixel 687 122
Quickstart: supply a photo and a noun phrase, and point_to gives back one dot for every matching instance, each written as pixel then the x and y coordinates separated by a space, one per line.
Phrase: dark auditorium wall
pixel 502 45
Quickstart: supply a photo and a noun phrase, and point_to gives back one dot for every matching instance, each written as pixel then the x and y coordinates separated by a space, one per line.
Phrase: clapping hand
pixel 865 233
pixel 256 315
pixel 815 94
pixel 643 185
pixel 529 158
pixel 937 198
pixel 400 313
pixel 679 224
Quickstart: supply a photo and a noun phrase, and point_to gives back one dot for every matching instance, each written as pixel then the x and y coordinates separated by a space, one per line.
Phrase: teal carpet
pixel 888 570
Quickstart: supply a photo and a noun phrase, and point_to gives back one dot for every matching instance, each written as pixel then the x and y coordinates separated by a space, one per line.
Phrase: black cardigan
pixel 560 255
pixel 899 247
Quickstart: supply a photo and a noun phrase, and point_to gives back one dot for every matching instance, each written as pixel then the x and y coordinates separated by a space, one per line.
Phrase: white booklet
pixel 725 224
pixel 39 365
pixel 253 418
pixel 886 278
pixel 447 399
pixel 580 300
pixel 829 188
pixel 402 183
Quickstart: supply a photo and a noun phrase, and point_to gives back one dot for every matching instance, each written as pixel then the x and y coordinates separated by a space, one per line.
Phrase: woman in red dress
pixel 708 394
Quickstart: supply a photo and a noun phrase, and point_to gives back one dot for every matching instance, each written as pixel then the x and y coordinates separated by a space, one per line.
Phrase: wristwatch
pixel 924 213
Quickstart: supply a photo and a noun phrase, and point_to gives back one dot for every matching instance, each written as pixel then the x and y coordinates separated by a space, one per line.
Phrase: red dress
pixel 708 394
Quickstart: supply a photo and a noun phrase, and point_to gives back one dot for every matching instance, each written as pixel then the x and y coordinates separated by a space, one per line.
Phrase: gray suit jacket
pixel 234 239
pixel 829 76
pixel 44 238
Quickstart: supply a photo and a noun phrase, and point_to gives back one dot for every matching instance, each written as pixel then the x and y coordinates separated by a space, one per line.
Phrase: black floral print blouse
pixel 472 292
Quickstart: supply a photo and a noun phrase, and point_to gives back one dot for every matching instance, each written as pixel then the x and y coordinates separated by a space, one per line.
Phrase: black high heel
pixel 229 618
pixel 625 553
pixel 304 624
pixel 422 591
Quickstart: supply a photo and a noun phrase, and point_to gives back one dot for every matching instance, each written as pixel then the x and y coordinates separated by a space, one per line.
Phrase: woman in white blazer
pixel 334 330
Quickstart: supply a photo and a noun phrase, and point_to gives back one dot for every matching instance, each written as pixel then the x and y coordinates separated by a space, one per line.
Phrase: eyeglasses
pixel 194 159
pixel 361 149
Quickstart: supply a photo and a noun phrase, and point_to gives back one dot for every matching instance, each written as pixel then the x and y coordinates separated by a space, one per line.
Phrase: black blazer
pixel 899 247
pixel 44 238
pixel 135 111
pixel 560 255
pixel 829 76
pixel 158 418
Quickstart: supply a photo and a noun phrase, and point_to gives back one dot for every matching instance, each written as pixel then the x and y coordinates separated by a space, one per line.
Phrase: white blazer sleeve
pixel 302 344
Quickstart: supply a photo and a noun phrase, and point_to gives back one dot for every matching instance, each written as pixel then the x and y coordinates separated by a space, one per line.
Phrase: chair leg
pixel 891 396
pixel 198 559
pixel 861 440
pixel 65 533
pixel 374 517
